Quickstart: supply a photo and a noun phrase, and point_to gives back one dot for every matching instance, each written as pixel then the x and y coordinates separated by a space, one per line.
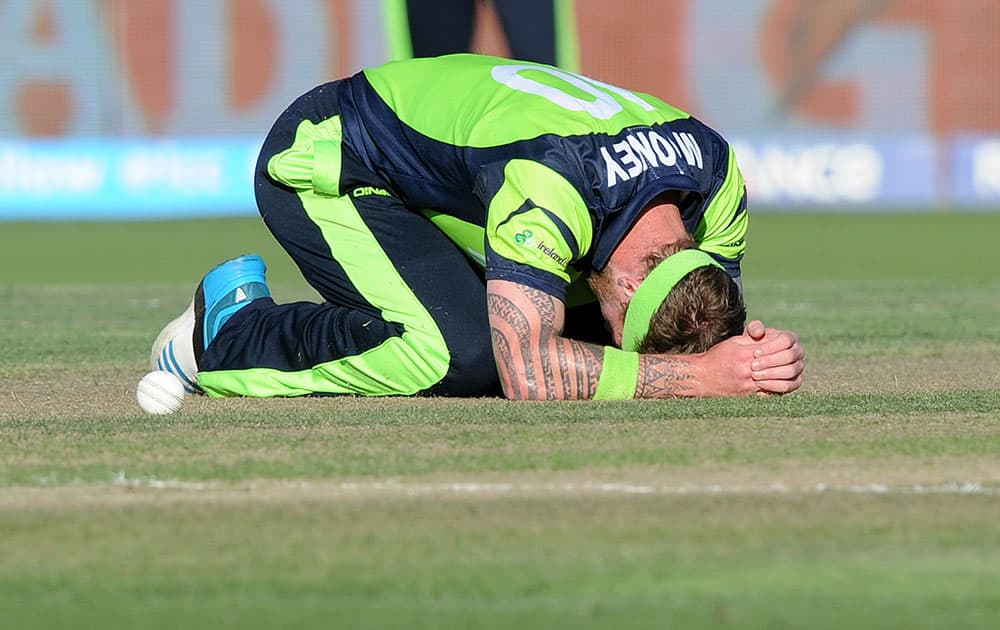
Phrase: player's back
pixel 430 124
pixel 481 101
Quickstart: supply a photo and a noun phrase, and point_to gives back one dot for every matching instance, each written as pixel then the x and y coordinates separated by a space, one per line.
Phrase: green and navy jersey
pixel 534 171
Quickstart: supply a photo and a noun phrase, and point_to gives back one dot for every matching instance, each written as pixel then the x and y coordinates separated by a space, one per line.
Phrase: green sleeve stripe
pixel 397 29
pixel 619 375
pixel 567 44
pixel 526 234
pixel 723 229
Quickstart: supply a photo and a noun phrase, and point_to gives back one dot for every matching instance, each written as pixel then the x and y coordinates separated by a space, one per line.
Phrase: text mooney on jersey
pixel 643 150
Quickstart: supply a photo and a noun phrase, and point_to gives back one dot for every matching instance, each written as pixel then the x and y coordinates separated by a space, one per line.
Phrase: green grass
pixel 317 439
pixel 549 562
pixel 867 500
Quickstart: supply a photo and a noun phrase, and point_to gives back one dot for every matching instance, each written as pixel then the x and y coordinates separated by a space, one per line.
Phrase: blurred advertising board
pixel 841 173
pixel 853 104
pixel 976 168
pixel 103 179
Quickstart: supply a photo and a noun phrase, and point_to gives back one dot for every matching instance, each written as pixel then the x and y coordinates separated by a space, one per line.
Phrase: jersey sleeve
pixel 537 225
pixel 723 227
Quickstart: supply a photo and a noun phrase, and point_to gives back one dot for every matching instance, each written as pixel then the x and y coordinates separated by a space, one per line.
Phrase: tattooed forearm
pixel 546 306
pixel 564 370
pixel 663 376
pixel 534 359
pixel 505 363
pixel 516 339
pixel 588 359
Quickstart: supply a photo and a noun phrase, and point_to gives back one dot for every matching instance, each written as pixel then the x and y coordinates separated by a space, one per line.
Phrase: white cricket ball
pixel 160 393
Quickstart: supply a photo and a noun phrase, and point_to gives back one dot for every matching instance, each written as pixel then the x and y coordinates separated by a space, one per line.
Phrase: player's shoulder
pixel 440 68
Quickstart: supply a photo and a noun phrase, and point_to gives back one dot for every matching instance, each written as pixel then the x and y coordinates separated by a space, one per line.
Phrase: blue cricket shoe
pixel 222 292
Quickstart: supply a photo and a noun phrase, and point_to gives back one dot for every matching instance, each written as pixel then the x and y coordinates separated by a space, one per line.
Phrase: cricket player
pixel 477 225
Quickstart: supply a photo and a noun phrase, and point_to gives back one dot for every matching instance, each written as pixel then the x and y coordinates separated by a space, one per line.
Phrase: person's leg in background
pixel 540 30
pixel 428 28
pixel 536 30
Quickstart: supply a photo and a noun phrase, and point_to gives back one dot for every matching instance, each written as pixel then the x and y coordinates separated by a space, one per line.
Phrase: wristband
pixel 619 375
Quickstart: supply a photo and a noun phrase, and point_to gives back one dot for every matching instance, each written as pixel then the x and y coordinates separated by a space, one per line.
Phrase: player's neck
pixel 658 228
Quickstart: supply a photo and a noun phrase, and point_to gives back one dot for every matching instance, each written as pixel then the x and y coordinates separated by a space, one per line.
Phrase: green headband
pixel 654 290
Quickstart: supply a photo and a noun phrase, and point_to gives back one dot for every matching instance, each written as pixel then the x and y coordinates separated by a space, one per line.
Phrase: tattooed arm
pixel 536 362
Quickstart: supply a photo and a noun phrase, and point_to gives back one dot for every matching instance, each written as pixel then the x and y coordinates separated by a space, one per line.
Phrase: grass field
pixel 869 499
